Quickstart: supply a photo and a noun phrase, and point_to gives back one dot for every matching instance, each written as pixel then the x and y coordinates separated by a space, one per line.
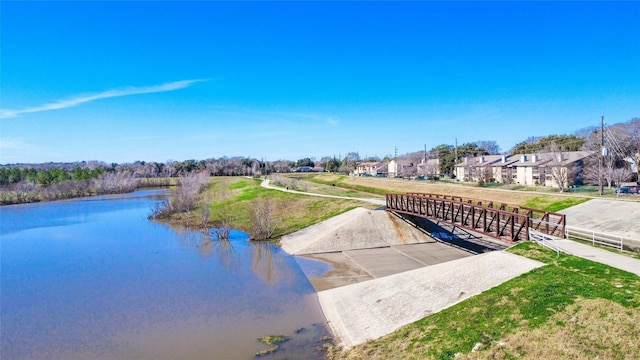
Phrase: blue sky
pixel 157 81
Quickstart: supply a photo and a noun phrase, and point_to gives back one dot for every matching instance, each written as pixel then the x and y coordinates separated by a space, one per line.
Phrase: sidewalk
pixel 265 184
pixel 621 262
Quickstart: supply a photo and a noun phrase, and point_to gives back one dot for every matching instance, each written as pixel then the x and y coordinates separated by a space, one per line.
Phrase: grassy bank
pixel 232 198
pixel 570 309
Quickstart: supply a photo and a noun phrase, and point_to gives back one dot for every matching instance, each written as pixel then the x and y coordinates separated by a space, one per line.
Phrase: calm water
pixel 94 279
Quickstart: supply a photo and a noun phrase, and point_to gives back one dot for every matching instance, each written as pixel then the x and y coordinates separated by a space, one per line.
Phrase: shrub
pixel 266 215
pixel 185 197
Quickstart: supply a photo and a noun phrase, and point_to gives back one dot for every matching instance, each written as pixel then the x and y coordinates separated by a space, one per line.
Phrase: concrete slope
pixel 614 217
pixel 356 229
pixel 368 310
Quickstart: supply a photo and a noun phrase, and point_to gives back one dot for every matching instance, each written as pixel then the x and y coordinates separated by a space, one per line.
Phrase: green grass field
pixel 232 198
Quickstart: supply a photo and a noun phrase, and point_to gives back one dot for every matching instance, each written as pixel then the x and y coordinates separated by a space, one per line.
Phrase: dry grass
pixel 521 198
pixel 588 329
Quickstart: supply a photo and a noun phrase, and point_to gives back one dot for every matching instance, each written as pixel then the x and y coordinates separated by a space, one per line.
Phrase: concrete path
pixel 612 259
pixel 371 309
pixel 265 184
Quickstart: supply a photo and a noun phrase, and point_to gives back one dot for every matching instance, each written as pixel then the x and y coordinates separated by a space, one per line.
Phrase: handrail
pixel 545 240
pixel 544 221
pixel 614 241
pixel 505 225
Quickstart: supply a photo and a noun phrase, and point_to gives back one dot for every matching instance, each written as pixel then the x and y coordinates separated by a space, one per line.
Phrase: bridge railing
pixel 547 222
pixel 500 220
pixel 501 224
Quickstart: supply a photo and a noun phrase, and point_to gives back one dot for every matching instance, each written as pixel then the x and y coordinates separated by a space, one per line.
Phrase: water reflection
pixel 224 249
pixel 112 285
pixel 268 262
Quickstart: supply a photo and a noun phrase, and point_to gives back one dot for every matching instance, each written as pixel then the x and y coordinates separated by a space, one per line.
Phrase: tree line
pixel 24 192
pixel 622 140
pixel 46 177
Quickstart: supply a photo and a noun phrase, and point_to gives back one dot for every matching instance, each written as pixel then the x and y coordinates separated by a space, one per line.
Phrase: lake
pixel 93 278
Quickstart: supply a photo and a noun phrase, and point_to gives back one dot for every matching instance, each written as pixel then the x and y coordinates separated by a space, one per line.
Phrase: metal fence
pixel 545 240
pixel 594 237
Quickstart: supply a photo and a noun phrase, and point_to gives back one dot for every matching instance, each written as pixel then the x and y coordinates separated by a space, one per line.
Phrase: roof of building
pixel 369 163
pixel 541 159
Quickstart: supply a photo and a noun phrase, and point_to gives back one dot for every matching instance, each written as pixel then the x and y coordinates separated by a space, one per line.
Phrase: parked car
pixel 627 190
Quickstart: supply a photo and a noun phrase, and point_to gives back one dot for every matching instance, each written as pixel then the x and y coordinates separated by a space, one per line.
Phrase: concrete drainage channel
pixel 386 272
pixel 354 266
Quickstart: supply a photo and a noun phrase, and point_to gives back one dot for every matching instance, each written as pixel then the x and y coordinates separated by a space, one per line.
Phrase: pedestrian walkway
pixel 606 257
pixel 265 184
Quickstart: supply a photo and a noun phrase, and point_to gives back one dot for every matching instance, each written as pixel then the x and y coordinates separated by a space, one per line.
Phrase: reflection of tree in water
pixel 188 237
pixel 268 263
pixel 221 246
pixel 208 243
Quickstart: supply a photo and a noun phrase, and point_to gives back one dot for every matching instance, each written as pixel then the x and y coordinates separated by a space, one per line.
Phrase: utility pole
pixel 425 153
pixel 601 157
pixel 456 151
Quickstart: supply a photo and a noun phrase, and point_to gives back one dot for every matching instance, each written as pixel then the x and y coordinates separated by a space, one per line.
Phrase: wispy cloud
pixel 333 121
pixel 278 116
pixel 75 101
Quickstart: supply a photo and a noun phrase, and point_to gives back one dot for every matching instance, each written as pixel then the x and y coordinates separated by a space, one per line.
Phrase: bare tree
pixel 483 174
pixel 621 175
pixel 223 226
pixel 115 183
pixel 560 170
pixel 205 214
pixel 633 130
pixel 266 216
pixel 507 175
pixel 184 198
pixel 429 170
pixel 469 169
pixel 622 141
pixel 609 169
pixel 290 183
pixel 490 146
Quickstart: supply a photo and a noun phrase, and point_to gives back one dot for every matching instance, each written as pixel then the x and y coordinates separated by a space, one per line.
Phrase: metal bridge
pixel 510 223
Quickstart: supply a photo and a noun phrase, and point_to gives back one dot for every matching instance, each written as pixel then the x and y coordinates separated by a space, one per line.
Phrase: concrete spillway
pixel 388 274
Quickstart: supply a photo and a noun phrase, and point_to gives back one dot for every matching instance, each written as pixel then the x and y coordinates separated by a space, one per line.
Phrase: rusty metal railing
pixel 503 221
